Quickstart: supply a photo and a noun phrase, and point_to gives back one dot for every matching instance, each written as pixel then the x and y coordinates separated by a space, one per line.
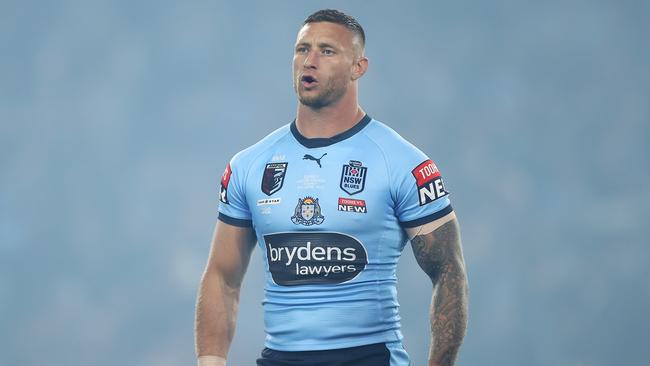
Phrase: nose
pixel 311 60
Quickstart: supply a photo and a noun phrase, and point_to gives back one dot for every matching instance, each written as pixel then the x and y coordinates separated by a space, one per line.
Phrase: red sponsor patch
pixel 425 172
pixel 350 201
pixel 225 178
pixel 352 205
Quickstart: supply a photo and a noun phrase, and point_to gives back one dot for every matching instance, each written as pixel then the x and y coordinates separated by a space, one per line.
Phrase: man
pixel 332 199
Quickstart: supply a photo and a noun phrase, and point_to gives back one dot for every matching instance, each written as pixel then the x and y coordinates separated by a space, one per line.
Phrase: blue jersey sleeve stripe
pixel 426 219
pixel 234 221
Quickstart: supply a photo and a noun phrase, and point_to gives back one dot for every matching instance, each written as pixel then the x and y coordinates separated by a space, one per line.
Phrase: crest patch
pixel 353 177
pixel 273 177
pixel 307 212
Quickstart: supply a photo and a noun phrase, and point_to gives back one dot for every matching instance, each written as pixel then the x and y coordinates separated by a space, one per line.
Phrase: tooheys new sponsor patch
pixel 429 182
pixel 352 205
pixel 225 179
pixel 313 258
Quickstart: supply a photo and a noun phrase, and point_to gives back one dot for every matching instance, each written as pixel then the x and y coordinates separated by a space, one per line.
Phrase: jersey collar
pixel 326 141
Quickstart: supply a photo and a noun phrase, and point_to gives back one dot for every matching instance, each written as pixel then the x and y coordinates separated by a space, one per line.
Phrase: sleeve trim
pixel 234 221
pixel 427 219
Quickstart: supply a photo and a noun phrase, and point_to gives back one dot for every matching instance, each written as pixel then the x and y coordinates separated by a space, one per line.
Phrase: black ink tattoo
pixel 440 255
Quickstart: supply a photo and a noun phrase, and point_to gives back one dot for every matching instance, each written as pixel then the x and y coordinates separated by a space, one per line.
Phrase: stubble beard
pixel 330 94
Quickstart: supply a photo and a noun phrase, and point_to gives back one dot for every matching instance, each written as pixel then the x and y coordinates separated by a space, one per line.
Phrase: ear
pixel 359 68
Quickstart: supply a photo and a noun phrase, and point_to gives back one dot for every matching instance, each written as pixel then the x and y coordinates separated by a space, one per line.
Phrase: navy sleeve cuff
pixel 427 219
pixel 235 222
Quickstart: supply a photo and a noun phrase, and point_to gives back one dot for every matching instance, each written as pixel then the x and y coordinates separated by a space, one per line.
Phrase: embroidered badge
pixel 353 177
pixel 273 177
pixel 307 212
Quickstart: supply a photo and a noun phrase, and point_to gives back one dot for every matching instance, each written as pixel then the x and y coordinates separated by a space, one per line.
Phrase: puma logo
pixel 309 157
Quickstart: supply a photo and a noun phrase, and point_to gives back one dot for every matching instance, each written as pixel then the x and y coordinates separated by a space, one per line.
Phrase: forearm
pixel 216 314
pixel 449 310
pixel 440 255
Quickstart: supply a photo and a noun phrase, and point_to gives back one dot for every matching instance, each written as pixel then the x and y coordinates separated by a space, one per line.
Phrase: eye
pixel 301 49
pixel 327 51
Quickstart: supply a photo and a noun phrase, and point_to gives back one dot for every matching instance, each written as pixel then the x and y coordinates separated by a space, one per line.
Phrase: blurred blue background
pixel 118 117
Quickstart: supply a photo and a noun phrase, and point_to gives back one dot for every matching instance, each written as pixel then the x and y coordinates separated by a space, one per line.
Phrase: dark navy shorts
pixel 378 354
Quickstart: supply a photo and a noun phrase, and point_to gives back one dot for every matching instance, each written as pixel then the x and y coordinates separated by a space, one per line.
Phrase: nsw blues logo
pixel 353 177
pixel 307 212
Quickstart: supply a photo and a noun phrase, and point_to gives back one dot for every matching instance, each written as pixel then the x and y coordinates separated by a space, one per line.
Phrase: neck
pixel 330 120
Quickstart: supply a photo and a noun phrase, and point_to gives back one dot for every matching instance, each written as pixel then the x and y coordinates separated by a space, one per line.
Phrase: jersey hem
pixel 427 219
pixel 387 336
pixel 235 221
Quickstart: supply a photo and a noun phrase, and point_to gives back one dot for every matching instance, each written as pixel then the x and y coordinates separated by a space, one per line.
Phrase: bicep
pixel 230 252
pixel 439 251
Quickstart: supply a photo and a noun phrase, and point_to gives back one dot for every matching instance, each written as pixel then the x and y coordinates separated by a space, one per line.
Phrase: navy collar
pixel 326 141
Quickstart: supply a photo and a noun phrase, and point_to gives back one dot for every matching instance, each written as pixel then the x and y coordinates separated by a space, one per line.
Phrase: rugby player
pixel 331 200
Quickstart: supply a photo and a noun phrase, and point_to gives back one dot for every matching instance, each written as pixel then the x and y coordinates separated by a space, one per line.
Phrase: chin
pixel 320 99
pixel 314 103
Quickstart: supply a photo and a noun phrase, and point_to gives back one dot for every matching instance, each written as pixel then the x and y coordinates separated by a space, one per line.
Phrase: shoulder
pixel 393 146
pixel 250 154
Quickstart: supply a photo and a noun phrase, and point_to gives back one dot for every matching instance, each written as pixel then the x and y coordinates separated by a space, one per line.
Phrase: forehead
pixel 325 32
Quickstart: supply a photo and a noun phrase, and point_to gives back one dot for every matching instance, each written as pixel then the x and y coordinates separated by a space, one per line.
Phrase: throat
pixel 326 123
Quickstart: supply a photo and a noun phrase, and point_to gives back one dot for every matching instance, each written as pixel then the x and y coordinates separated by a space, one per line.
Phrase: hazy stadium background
pixel 118 117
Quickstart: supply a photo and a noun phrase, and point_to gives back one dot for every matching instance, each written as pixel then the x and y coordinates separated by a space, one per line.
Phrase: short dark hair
pixel 338 17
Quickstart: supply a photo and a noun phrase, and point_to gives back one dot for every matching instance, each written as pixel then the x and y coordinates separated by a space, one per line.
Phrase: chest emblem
pixel 273 177
pixel 307 212
pixel 353 177
pixel 317 160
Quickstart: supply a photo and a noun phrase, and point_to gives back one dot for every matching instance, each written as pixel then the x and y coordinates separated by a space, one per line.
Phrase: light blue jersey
pixel 329 215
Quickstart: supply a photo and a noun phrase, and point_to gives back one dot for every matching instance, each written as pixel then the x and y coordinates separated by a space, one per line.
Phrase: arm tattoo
pixel 440 255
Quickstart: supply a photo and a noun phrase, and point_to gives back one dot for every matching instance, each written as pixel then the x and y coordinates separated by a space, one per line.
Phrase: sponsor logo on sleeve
pixel 353 177
pixel 265 204
pixel 352 205
pixel 273 177
pixel 225 179
pixel 269 201
pixel 314 258
pixel 307 212
pixel 429 182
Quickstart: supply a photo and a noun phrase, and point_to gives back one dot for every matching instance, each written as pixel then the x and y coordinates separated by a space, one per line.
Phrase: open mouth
pixel 308 81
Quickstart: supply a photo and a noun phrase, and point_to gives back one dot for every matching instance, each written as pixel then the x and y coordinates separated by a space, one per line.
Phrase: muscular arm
pixel 218 297
pixel 440 255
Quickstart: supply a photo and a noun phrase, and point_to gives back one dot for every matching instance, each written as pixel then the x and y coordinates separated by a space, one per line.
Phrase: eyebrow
pixel 320 45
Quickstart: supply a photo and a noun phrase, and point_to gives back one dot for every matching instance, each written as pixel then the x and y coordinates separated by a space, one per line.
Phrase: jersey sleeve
pixel 420 194
pixel 233 207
